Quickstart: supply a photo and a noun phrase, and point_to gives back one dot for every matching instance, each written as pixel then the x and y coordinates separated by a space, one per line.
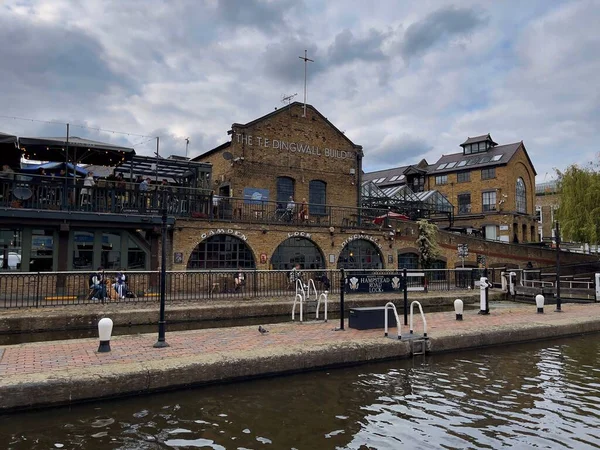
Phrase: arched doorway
pixel 297 250
pixel 221 251
pixel 360 254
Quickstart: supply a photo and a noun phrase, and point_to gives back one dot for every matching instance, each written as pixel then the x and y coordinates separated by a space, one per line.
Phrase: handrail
pixel 297 299
pixel 422 318
pixel 385 309
pixel 311 282
pixel 323 295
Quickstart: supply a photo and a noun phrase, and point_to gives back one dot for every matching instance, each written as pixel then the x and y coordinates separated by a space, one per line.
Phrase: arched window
pixel 317 197
pixel 408 260
pixel 221 251
pixel 297 250
pixel 360 254
pixel 521 197
pixel 285 190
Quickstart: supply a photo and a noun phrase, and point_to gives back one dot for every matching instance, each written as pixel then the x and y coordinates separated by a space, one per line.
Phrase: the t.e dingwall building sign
pixel 293 147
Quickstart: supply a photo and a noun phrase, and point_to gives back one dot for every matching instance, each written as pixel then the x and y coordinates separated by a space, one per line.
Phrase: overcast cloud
pixel 406 80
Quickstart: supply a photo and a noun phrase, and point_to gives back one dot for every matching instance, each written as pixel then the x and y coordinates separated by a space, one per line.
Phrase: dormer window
pixel 478 144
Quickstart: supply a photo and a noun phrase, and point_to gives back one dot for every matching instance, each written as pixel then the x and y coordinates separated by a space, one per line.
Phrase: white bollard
pixel 512 279
pixel 458 308
pixel 105 327
pixel 539 301
pixel 484 307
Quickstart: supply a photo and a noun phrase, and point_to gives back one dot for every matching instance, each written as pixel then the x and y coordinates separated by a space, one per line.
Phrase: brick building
pixel 284 154
pixel 491 186
pixel 546 202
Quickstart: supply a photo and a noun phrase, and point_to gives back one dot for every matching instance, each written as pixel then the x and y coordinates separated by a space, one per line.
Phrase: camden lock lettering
pixel 235 233
pixel 294 147
pixel 366 237
pixel 299 234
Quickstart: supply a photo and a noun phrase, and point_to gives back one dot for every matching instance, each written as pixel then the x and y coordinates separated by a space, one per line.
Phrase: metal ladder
pixel 418 346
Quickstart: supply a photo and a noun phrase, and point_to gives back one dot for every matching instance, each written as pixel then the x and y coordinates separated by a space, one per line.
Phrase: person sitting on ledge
pixel 239 279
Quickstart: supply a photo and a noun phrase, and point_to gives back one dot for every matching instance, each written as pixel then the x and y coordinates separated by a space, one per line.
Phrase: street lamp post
pixel 161 343
pixel 557 237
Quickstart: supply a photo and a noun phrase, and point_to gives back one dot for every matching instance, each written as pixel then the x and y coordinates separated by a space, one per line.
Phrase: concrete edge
pixel 21 392
pixel 115 380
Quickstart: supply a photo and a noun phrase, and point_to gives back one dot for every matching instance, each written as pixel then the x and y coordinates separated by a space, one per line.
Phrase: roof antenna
pixel 305 59
pixel 287 98
pixel 187 143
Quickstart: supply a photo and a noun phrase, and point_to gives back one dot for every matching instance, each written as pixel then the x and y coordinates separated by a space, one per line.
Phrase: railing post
pixel 342 288
pixel 37 291
pixel 255 284
pixel 405 276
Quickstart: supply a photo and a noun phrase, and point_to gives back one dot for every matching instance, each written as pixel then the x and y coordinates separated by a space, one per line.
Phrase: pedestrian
pixel 86 192
pixel 120 284
pixel 303 213
pixel 98 285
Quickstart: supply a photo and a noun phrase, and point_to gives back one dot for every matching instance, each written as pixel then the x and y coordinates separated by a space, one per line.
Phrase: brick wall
pixel 189 234
pixel 504 183
pixel 260 144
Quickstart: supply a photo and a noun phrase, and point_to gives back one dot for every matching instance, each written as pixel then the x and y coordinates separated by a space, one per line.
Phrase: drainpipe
pixel 359 157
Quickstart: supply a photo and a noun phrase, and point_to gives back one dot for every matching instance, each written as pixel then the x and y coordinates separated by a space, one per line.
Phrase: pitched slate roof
pixel 497 156
pixel 386 173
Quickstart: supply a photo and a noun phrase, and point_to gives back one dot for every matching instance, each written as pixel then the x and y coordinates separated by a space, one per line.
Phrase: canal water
pixel 543 395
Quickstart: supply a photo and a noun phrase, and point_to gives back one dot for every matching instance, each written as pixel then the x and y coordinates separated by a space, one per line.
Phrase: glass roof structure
pixel 401 199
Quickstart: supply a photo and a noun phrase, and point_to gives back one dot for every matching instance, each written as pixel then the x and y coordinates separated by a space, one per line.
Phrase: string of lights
pixel 78 125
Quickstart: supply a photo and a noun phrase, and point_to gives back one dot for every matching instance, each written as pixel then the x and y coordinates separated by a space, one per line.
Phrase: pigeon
pixel 262 330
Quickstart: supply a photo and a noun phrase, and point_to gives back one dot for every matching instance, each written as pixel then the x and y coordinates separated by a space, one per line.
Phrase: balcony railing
pixel 68 194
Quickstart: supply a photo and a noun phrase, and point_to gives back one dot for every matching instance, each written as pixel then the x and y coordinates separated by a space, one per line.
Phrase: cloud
pixel 346 47
pixel 188 68
pixel 267 16
pixel 439 26
pixel 281 60
pixel 397 151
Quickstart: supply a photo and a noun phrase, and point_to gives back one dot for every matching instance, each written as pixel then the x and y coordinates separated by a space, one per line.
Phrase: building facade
pixel 491 186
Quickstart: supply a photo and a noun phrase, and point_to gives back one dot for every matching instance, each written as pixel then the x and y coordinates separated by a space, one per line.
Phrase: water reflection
pixel 543 395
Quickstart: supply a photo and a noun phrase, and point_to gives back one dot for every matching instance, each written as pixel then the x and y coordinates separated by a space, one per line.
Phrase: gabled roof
pixel 482 138
pixel 279 111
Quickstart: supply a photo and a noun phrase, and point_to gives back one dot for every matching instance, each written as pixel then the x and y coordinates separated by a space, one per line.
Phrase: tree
pixel 427 244
pixel 579 210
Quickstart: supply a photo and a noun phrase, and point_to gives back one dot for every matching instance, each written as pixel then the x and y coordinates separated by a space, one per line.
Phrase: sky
pixel 406 80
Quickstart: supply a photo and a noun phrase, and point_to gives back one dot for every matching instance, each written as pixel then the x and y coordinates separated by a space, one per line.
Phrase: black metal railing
pixel 70 194
pixel 47 289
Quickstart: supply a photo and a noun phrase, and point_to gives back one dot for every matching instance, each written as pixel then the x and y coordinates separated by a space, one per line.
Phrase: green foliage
pixel 579 211
pixel 427 244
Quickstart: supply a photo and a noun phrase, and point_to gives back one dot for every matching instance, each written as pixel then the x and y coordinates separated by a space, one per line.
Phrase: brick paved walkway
pixel 49 357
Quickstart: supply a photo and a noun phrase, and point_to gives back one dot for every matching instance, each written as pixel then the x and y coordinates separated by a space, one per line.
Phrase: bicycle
pixel 283 215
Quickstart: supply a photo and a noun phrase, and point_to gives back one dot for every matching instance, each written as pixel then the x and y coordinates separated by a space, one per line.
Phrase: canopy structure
pixel 401 201
pixel 183 172
pixel 10 153
pixel 54 168
pixel 389 216
pixel 74 149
